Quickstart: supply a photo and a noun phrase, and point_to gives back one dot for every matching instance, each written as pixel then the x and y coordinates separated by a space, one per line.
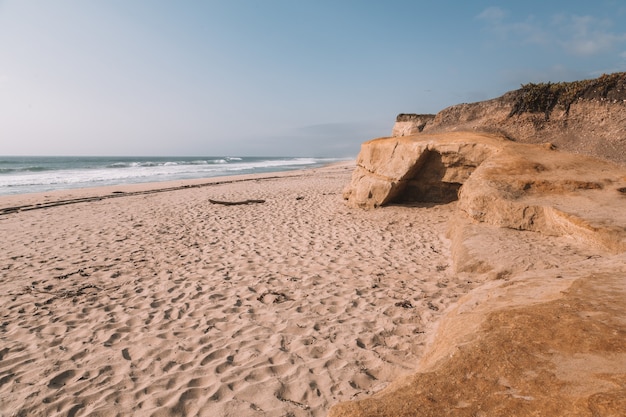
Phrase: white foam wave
pixel 145 171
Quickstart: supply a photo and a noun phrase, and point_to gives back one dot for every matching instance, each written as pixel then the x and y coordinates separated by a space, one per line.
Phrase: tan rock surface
pixel 585 117
pixel 534 347
pixel 414 167
pixel 504 183
pixel 411 124
pixel 544 334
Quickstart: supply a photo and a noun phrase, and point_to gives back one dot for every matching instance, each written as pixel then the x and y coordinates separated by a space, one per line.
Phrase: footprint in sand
pixel 125 354
pixel 60 380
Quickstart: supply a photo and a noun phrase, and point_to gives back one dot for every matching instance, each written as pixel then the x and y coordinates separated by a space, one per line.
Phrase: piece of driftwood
pixel 118 194
pixel 236 203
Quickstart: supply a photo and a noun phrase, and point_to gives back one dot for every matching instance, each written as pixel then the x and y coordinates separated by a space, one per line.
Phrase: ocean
pixel 20 175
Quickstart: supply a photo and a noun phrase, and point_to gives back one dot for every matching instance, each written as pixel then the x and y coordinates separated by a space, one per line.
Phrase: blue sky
pixel 285 78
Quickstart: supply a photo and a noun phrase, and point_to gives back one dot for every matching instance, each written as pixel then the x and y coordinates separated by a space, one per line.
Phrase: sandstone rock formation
pixel 587 117
pixel 416 168
pixel 497 181
pixel 538 337
pixel 410 124
pixel 550 344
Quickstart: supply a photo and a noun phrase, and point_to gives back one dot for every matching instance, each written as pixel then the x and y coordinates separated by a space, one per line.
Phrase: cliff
pixel 587 117
pixel 410 124
pixel 544 334
pixel 496 181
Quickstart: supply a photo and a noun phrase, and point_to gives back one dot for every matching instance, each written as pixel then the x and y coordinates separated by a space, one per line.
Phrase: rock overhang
pixel 496 181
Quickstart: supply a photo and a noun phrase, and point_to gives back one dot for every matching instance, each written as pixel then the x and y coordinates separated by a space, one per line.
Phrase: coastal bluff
pixel 543 334
pixel 586 117
pixel 497 182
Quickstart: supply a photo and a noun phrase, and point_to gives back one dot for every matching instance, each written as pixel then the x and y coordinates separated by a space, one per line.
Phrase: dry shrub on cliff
pixel 544 97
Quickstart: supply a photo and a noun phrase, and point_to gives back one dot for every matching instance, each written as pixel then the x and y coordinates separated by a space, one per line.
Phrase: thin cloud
pixel 577 35
pixel 587 35
pixel 527 31
pixel 492 14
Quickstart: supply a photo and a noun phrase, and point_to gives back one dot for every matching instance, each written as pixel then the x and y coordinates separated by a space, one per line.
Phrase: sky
pixel 274 77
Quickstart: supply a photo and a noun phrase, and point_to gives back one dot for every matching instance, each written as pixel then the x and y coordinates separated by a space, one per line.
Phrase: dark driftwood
pixel 236 203
pixel 117 194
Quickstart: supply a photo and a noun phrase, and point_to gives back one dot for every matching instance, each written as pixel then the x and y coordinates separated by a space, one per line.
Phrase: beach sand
pixel 162 303
pixel 149 300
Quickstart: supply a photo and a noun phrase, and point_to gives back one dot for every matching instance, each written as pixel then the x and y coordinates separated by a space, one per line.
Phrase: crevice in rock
pixel 425 182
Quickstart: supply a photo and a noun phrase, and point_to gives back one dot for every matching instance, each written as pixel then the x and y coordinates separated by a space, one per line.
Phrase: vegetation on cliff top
pixel 544 97
pixel 412 117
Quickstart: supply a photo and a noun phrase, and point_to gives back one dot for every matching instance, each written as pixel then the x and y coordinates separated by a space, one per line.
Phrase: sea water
pixel 19 175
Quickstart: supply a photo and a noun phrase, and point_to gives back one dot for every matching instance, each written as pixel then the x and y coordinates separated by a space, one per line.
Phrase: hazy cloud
pixel 331 128
pixel 527 31
pixel 578 35
pixel 492 14
pixel 587 35
pixel 331 133
pixel 320 140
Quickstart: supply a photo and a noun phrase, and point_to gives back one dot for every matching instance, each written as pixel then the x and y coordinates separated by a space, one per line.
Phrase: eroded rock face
pixel 594 123
pixel 499 182
pixel 529 341
pixel 411 124
pixel 544 334
pixel 426 168
pixel 542 348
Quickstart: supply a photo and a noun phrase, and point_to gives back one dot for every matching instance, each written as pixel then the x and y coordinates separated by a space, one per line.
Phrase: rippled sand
pixel 167 304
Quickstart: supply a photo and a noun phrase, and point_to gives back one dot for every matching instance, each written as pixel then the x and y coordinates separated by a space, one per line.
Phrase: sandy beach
pixel 209 210
pixel 166 304
pixel 153 300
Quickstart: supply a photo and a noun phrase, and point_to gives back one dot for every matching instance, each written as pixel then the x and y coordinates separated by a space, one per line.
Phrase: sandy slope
pixel 544 334
pixel 166 304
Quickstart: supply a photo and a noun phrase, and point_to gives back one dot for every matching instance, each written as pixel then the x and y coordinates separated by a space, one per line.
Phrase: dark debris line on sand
pixel 117 194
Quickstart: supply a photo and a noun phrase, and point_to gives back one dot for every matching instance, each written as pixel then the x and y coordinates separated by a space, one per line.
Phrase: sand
pixel 162 303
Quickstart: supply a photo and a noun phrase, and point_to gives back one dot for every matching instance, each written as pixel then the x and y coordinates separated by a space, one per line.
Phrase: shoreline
pixel 43 175
pixel 31 201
